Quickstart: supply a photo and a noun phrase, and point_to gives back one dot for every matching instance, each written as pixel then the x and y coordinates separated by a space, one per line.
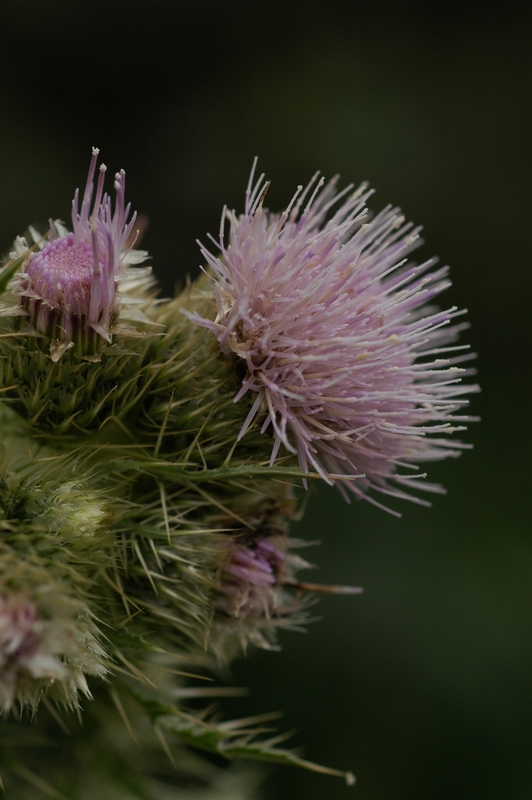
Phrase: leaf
pixel 233 739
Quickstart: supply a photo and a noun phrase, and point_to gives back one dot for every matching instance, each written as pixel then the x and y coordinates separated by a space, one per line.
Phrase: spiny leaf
pixel 234 739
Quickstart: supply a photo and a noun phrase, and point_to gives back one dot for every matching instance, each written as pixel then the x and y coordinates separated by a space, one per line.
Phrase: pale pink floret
pixel 354 369
pixel 70 283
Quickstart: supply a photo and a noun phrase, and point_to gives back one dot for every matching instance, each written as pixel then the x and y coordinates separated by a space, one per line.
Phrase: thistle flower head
pixel 68 286
pixel 255 591
pixel 248 579
pixel 353 369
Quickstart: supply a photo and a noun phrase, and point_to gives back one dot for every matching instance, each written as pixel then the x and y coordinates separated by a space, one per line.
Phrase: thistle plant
pixel 154 453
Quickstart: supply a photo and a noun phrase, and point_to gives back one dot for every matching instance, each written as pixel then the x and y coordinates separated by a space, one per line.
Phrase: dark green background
pixel 423 685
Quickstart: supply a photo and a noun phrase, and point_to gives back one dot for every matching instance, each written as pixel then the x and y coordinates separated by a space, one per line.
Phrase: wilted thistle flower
pixel 351 366
pixel 253 597
pixel 54 547
pixel 47 647
pixel 252 577
pixel 258 590
pixel 68 286
pixel 28 648
pixel 248 579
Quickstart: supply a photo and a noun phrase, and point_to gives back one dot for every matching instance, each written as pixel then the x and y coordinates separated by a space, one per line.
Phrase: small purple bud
pixel 249 579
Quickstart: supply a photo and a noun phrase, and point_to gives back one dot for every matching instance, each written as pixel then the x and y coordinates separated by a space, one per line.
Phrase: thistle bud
pixel 68 287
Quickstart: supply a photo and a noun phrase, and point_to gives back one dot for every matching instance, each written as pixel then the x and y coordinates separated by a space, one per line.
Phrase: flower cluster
pixel 147 479
pixel 351 366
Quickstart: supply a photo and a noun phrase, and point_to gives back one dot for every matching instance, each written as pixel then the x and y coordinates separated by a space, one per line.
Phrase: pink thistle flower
pixel 257 589
pixel 68 286
pixel 249 578
pixel 255 592
pixel 353 369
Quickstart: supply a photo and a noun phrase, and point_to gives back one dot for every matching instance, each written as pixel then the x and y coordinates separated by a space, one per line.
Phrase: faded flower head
pixel 352 367
pixel 255 584
pixel 45 649
pixel 68 286
pixel 249 578
pixel 28 648
pixel 47 646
